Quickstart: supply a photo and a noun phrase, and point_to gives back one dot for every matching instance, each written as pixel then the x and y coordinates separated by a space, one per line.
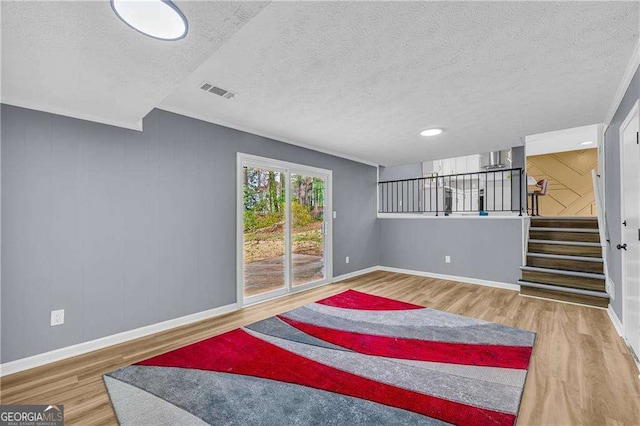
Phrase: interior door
pixel 630 154
pixel 308 228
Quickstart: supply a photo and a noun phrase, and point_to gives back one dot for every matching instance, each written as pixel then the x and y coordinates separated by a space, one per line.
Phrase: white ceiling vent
pixel 208 87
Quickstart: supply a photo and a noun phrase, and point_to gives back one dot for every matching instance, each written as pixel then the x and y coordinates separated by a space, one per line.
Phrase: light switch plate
pixel 57 317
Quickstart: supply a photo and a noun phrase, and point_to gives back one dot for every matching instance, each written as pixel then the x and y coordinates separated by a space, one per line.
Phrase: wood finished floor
pixel 581 372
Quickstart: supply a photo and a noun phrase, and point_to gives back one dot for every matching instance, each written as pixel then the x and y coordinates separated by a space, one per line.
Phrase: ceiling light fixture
pixel 431 132
pixel 159 19
pixel 586 143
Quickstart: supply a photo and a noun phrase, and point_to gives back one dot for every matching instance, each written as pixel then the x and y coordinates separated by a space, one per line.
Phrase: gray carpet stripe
pixel 278 328
pixel 503 376
pixel 415 317
pixel 489 333
pixel 135 406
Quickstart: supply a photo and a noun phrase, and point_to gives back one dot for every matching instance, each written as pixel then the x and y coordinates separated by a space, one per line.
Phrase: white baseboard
pixel 103 342
pixel 354 274
pixel 487 283
pixel 617 324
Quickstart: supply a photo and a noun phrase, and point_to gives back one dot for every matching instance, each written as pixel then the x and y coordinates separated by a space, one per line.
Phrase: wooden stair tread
pixel 587 237
pixel 559 222
pixel 584 264
pixel 566 243
pixel 600 300
pixel 576 230
pixel 595 293
pixel 564 281
pixel 545 247
pixel 564 272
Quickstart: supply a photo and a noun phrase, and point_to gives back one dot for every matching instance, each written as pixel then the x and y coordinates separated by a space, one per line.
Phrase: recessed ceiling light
pixel 159 19
pixel 431 132
pixel 586 143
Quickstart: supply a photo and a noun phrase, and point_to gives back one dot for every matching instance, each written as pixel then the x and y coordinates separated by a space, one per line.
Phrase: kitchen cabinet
pixel 447 166
pixel 465 200
pixel 456 165
pixel 473 163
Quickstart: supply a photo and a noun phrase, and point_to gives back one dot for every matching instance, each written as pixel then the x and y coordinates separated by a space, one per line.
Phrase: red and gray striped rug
pixel 352 358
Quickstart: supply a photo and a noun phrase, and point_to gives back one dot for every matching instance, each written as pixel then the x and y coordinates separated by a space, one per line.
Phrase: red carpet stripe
pixel 240 353
pixel 421 350
pixel 352 299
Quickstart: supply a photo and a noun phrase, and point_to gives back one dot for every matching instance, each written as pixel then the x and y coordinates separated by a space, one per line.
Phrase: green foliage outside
pixel 254 221
pixel 264 200
pixel 301 214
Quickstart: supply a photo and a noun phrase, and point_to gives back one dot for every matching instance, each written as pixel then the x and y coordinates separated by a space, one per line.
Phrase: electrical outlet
pixel 447 259
pixel 57 317
pixel 346 260
pixel 335 214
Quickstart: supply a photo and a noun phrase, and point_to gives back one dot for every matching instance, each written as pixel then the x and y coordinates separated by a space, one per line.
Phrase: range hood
pixel 495 160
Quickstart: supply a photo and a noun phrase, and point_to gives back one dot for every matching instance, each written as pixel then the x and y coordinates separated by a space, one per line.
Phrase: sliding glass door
pixel 307 228
pixel 264 236
pixel 283 228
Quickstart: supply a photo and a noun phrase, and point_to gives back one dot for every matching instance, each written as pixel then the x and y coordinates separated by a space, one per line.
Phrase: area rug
pixel 352 358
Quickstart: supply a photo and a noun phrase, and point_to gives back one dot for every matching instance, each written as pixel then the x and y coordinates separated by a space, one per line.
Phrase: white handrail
pixel 602 220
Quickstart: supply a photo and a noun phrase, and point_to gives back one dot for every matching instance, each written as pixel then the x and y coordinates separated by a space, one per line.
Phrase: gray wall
pixel 612 188
pixel 123 229
pixel 488 249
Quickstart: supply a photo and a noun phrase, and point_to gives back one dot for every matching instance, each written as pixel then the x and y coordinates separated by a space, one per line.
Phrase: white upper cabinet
pixel 445 166
pixel 461 165
pixel 455 166
pixel 473 163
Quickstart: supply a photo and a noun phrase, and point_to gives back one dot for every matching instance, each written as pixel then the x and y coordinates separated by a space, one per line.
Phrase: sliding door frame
pixel 287 168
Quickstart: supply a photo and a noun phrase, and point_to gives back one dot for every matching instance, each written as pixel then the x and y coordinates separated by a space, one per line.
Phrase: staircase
pixel 564 261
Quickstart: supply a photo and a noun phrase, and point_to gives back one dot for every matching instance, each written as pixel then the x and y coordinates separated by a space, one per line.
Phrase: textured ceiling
pixel 77 58
pixel 363 79
pixel 356 78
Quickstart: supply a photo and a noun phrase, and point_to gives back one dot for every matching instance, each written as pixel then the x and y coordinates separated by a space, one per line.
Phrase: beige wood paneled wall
pixel 569 175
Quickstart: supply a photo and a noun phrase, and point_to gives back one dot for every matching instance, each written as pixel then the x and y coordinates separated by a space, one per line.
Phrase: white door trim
pixel 634 110
pixel 287 168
